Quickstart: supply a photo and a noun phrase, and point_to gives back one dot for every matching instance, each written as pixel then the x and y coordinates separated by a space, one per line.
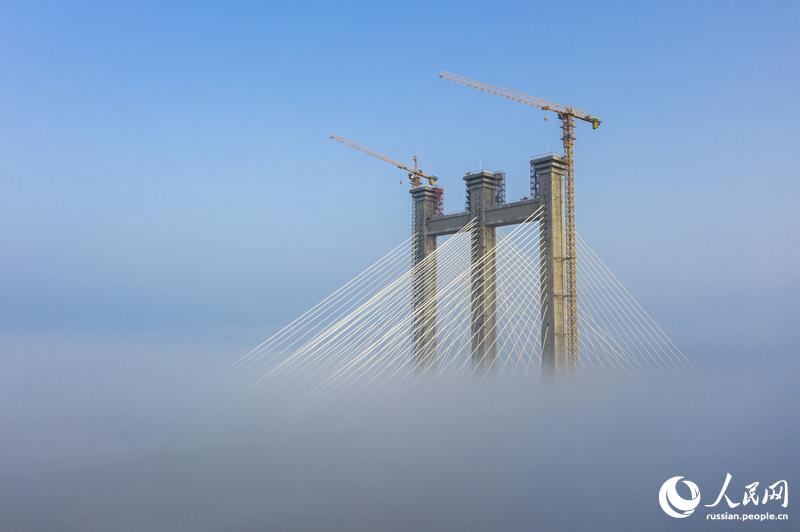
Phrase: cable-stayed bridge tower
pixel 486 214
pixel 483 288
pixel 464 293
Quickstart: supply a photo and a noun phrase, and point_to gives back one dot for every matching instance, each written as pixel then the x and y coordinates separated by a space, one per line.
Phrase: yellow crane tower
pixel 415 174
pixel 567 115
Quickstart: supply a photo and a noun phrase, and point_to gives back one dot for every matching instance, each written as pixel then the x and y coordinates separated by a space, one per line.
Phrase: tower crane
pixel 567 115
pixel 415 174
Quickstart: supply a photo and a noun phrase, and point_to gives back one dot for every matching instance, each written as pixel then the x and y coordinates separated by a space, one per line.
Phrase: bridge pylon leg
pixel 482 191
pixel 423 287
pixel 550 171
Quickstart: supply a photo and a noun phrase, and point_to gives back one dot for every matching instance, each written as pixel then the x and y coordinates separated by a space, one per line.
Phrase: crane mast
pixel 567 115
pixel 568 139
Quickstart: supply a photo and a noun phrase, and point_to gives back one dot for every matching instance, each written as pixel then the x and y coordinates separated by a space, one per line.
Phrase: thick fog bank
pixel 136 440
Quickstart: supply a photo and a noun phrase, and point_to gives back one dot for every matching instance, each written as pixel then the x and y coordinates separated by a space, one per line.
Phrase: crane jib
pixel 521 97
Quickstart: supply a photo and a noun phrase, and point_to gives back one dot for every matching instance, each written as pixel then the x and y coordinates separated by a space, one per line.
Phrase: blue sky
pixel 169 167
